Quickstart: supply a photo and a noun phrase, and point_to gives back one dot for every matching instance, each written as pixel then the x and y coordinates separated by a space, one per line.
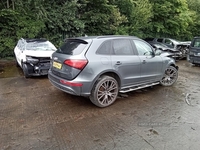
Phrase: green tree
pixel 138 14
pixel 194 6
pixel 56 20
pixel 17 21
pixel 171 18
pixel 62 20
pixel 13 26
pixel 100 17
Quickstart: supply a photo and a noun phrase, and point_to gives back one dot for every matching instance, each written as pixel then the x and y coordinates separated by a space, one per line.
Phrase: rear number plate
pixel 57 65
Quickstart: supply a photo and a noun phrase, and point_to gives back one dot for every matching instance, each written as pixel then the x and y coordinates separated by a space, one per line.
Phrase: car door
pixel 125 62
pixel 151 64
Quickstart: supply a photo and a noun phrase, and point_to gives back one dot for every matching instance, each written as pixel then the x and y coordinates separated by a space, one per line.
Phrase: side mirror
pixel 158 52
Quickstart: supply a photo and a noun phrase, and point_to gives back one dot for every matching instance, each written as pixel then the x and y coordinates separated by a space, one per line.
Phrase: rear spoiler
pixel 76 40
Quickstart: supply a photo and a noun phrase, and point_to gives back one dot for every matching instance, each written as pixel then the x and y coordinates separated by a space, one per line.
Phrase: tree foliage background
pixel 60 19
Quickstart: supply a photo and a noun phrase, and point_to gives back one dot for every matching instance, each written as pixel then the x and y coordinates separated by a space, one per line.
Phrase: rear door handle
pixel 144 62
pixel 118 63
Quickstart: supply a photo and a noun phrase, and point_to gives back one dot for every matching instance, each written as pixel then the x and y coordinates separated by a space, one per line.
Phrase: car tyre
pixel 170 76
pixel 105 91
pixel 25 70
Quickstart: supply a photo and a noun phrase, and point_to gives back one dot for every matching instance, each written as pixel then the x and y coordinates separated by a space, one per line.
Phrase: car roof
pixel 104 37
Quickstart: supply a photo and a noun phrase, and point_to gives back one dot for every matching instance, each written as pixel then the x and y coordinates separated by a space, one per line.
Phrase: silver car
pixel 101 67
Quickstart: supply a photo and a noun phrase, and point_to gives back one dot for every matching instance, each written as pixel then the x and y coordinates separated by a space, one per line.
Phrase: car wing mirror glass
pixel 158 52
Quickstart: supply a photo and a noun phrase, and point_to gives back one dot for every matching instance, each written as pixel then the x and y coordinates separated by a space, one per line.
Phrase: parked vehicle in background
pixel 183 47
pixel 33 56
pixel 162 48
pixel 100 67
pixel 194 51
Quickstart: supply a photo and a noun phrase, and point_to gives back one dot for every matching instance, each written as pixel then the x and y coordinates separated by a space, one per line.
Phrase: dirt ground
pixel 36 116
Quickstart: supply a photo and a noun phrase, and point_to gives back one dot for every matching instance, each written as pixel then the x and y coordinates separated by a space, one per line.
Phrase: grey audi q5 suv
pixel 100 67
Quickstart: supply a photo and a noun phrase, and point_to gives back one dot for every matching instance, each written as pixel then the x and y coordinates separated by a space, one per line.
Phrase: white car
pixel 33 56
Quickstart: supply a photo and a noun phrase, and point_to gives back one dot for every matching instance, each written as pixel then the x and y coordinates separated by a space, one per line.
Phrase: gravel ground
pixel 36 116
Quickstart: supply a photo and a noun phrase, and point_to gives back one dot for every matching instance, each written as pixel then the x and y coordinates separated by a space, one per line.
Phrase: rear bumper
pixel 55 81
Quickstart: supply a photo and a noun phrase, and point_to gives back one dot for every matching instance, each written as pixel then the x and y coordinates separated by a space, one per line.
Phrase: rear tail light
pixel 76 63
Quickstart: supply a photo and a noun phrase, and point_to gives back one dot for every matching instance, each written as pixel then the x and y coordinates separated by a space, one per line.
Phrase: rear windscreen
pixel 72 47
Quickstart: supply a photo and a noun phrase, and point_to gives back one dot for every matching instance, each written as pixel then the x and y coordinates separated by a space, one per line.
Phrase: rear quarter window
pixel 72 47
pixel 105 48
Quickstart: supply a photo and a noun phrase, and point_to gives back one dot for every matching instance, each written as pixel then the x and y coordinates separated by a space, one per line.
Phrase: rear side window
pixel 196 43
pixel 122 47
pixel 72 47
pixel 160 40
pixel 167 41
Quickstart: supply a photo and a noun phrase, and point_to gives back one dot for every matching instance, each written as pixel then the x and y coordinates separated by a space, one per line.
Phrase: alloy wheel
pixel 170 76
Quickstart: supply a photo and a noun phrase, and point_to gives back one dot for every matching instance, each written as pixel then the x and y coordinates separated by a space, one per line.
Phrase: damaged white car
pixel 33 56
pixel 182 46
